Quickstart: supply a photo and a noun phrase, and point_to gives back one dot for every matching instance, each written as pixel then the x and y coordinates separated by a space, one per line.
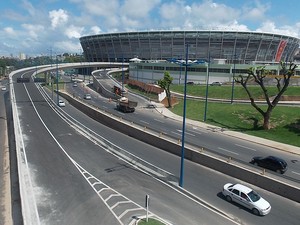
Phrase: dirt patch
pixel 290 98
pixel 174 101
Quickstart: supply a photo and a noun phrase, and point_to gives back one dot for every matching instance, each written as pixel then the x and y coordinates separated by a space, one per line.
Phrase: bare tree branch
pixel 259 74
pixel 278 83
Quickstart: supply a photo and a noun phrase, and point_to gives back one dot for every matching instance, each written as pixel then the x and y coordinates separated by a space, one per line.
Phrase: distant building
pixel 150 71
pixel 22 56
pixel 241 47
pixel 225 54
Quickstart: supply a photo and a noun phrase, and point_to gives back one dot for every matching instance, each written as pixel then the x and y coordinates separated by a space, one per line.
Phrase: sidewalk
pixel 276 145
pixel 290 103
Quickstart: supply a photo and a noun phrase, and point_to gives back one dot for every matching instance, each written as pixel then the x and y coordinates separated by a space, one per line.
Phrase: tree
pixel 165 84
pixel 258 75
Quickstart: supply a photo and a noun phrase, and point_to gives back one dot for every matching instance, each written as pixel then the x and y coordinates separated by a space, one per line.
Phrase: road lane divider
pixel 284 187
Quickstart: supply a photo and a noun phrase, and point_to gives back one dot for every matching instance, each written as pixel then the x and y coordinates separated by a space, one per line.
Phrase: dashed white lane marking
pixel 144 121
pixel 180 131
pixel 159 121
pixel 175 133
pixel 226 150
pixel 295 173
pixel 242 146
pixel 196 130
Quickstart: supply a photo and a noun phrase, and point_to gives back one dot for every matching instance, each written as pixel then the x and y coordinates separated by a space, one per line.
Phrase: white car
pixel 61 103
pixel 247 197
pixel 216 84
pixel 87 97
pixel 3 88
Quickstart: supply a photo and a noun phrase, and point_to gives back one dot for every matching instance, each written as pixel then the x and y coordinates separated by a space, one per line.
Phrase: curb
pixel 258 140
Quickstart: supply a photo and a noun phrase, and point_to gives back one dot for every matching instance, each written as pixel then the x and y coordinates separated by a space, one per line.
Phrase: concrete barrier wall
pixel 100 89
pixel 223 166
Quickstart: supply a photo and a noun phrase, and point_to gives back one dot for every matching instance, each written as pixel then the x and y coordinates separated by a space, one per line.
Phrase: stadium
pixel 223 53
pixel 230 46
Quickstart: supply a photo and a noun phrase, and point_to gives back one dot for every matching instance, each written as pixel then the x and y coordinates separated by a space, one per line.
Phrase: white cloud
pixel 130 22
pixel 206 15
pixel 99 7
pixel 9 31
pixel 67 46
pixel 95 30
pixel 13 15
pixel 74 32
pixel 28 7
pixel 170 11
pixel 270 27
pixel 58 17
pixel 33 30
pixel 256 12
pixel 138 8
pixel 213 14
pixel 76 18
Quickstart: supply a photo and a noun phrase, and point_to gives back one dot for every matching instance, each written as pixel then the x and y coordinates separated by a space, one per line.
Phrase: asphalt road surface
pixel 74 180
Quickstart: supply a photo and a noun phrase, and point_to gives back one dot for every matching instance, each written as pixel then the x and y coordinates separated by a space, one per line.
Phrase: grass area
pixel 225 91
pixel 285 121
pixel 150 222
pixel 244 118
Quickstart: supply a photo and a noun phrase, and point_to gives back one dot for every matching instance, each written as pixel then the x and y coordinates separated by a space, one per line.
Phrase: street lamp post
pixel 57 95
pixel 51 61
pixel 122 75
pixel 179 81
pixel 206 91
pixel 233 76
pixel 180 74
pixel 183 122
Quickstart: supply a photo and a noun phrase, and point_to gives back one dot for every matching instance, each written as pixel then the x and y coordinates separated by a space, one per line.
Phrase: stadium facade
pixel 241 47
pixel 224 54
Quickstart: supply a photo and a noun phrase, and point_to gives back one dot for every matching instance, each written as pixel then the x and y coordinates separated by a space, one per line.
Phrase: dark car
pixel 271 162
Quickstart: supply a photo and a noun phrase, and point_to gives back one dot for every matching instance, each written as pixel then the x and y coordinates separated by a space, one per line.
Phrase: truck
pixel 125 105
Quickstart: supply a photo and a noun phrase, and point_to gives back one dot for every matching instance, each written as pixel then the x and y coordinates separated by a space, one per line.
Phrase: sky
pixel 41 27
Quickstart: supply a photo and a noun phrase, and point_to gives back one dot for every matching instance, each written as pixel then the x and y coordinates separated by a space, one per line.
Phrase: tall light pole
pixel 122 75
pixel 183 122
pixel 233 76
pixel 180 71
pixel 50 55
pixel 57 95
pixel 206 91
pixel 137 69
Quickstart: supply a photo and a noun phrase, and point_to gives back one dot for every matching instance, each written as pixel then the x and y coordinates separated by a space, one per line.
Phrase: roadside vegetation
pixel 150 222
pixel 225 91
pixel 243 117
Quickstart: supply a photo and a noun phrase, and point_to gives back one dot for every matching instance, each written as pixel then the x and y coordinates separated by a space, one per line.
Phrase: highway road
pixel 72 180
pixel 209 139
pixel 67 170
